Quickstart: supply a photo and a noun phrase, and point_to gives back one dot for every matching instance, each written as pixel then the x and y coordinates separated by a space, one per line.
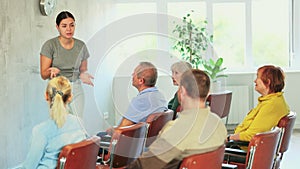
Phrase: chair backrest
pixel 156 121
pixel 262 149
pixel 287 125
pixel 127 144
pixel 220 103
pixel 79 155
pixel 211 160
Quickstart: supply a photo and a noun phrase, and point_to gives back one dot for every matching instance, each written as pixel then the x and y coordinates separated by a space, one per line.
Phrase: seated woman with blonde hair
pixel 60 129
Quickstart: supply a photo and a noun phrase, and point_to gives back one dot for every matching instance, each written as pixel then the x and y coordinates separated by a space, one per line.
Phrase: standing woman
pixel 67 56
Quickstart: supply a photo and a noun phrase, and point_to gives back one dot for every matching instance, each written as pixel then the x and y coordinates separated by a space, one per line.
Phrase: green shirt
pixel 173 105
pixel 67 61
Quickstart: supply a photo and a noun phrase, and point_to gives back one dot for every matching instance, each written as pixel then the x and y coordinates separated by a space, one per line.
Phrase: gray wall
pixel 23 31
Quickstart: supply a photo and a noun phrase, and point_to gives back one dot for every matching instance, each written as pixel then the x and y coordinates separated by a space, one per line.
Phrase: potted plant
pixel 193 40
pixel 214 70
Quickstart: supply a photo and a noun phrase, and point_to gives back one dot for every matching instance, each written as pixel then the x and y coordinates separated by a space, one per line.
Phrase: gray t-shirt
pixel 66 60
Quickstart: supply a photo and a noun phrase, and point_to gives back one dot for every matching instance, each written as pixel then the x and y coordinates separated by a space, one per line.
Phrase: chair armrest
pixel 105 142
pixel 241 143
pixel 234 143
pixel 105 145
pixel 229 166
pixel 235 152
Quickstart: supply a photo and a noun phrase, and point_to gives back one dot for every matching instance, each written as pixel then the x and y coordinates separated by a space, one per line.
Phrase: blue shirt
pixel 47 141
pixel 148 101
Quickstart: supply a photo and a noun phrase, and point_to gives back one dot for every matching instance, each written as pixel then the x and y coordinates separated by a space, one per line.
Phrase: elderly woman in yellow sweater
pixel 271 105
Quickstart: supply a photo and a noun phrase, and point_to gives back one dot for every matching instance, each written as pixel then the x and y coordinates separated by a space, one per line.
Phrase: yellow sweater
pixel 269 110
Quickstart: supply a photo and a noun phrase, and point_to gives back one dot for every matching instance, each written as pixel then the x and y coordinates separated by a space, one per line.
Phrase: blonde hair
pixel 59 91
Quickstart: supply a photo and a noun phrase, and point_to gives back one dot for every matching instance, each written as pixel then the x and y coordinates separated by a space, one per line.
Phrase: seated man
pixel 148 101
pixel 197 130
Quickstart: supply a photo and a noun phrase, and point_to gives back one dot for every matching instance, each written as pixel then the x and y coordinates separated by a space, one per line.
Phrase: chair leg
pixel 226 123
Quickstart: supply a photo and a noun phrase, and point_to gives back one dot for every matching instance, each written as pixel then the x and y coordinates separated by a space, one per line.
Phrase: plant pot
pixel 216 87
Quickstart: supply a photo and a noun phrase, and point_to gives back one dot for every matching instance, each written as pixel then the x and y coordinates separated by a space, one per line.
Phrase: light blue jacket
pixel 47 141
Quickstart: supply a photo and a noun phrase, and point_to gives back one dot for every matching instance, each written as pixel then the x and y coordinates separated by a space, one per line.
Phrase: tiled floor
pixel 291 159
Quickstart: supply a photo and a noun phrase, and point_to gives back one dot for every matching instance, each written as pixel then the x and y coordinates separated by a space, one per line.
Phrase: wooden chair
pixel 261 151
pixel 79 155
pixel 287 124
pixel 209 160
pixel 126 145
pixel 156 122
pixel 220 103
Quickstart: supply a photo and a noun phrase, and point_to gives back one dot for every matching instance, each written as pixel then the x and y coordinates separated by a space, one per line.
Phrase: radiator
pixel 239 104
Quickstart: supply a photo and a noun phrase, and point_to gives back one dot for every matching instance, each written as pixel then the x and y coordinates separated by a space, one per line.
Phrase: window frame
pixel 294 38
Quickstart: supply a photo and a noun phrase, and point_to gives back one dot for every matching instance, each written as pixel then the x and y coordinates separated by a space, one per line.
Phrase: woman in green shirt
pixel 177 69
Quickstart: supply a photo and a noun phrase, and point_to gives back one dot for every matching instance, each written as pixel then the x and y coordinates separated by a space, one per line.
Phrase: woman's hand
pixel 233 137
pixel 53 72
pixel 86 78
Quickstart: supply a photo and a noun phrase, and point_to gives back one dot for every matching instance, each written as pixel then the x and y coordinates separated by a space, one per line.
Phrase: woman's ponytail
pixel 59 91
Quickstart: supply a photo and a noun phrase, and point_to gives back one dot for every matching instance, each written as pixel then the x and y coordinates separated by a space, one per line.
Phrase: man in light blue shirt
pixel 148 101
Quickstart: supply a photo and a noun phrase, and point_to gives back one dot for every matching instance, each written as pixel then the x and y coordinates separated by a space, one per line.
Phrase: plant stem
pixel 191 52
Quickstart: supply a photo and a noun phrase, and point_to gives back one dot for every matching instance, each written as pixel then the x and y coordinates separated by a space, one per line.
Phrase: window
pixel 270 32
pixel 230 33
pixel 247 33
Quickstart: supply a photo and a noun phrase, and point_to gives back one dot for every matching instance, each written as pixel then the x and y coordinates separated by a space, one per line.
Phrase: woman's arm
pixel 45 68
pixel 45 64
pixel 84 76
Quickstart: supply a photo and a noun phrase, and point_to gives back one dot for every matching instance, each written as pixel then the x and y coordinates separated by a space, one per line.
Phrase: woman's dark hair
pixel 63 15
